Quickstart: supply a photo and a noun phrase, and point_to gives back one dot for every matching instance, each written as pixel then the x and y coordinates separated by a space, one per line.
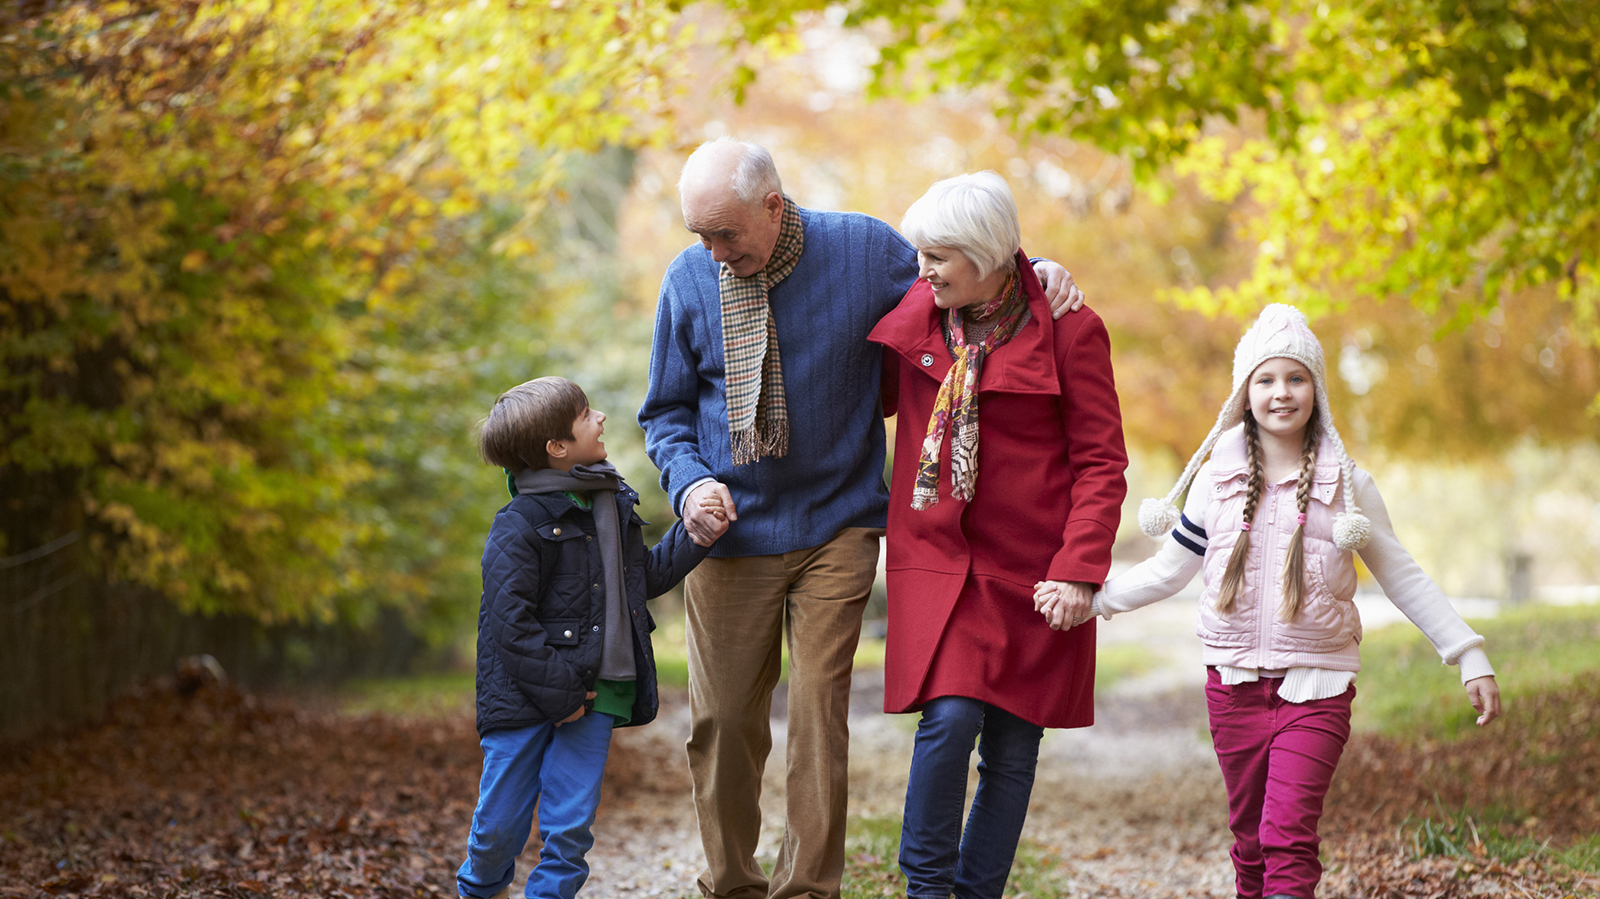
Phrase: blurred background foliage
pixel 264 264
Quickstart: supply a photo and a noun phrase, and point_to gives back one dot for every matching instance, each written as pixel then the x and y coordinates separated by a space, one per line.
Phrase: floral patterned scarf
pixel 956 407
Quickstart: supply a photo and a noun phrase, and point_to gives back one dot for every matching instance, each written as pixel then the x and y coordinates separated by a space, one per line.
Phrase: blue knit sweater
pixel 853 270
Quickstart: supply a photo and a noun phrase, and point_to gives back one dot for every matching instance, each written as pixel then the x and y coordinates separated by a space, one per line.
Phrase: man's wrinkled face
pixel 740 235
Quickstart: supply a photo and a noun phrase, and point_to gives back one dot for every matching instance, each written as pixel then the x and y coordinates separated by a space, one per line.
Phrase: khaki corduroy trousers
pixel 738 610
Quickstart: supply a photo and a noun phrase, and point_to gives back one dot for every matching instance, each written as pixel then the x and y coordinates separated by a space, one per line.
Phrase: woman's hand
pixel 1063 603
pixel 578 712
pixel 1485 696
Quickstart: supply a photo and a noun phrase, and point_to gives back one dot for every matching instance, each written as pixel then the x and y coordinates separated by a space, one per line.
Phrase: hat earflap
pixel 1157 517
pixel 1352 530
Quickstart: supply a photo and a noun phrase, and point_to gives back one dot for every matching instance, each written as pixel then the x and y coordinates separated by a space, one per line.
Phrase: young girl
pixel 1271 520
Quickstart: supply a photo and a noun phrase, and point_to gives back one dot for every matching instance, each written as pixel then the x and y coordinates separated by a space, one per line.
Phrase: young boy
pixel 563 635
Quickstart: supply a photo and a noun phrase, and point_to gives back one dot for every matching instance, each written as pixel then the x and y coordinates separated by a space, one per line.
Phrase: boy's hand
pixel 706 512
pixel 578 712
pixel 1485 696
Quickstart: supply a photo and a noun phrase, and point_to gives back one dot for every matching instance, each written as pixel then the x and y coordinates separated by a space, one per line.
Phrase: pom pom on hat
pixel 1351 530
pixel 1157 517
pixel 1281 331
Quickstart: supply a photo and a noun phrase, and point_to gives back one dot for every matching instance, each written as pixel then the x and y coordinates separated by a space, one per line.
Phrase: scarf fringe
pixel 750 444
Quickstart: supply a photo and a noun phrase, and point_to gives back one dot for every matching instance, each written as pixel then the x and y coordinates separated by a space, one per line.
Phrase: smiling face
pixel 954 278
pixel 1282 398
pixel 585 447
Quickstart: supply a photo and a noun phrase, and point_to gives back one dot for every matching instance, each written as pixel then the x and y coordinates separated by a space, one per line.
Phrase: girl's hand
pixel 1063 603
pixel 578 712
pixel 1485 696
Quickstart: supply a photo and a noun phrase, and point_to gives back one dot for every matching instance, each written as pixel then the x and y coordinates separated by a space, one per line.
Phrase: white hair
pixel 973 213
pixel 755 175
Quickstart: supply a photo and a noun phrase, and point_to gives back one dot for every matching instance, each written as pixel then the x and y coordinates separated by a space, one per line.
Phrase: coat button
pixel 556 531
pixel 566 633
pixel 595 629
pixel 927 360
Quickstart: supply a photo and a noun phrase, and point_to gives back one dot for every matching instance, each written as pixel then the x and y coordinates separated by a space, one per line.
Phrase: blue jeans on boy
pixel 557 768
pixel 936 856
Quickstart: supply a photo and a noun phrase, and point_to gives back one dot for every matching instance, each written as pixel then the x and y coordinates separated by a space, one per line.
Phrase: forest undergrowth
pixel 215 792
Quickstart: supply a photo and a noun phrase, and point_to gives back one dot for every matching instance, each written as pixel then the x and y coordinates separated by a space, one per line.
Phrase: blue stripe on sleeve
pixel 1186 543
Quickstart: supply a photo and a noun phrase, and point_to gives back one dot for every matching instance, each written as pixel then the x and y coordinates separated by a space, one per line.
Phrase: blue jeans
pixel 557 768
pixel 937 858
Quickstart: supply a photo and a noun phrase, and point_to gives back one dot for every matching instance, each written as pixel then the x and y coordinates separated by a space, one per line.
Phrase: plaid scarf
pixel 956 407
pixel 758 413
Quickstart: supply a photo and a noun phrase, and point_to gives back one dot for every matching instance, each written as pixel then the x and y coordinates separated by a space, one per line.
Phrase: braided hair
pixel 1294 567
pixel 1233 575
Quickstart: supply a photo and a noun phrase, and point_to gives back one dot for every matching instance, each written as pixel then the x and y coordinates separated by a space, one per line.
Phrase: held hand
pixel 1485 696
pixel 706 512
pixel 578 712
pixel 1059 288
pixel 1063 603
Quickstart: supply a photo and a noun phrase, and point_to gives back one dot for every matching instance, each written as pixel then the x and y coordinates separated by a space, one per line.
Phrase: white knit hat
pixel 1280 332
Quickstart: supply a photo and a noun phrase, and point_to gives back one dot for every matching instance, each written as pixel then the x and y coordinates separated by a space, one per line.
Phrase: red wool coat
pixel 1046 505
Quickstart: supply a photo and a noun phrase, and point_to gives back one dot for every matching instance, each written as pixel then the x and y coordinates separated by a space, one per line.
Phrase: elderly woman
pixel 972 350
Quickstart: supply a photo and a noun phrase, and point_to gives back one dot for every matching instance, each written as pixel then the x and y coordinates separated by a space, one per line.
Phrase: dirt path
pixel 1131 806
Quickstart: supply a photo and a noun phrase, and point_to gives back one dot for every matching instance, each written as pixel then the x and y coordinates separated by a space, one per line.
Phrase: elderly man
pixel 791 446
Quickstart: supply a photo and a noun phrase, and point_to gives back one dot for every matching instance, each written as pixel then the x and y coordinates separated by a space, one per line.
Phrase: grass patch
pixel 671 642
pixel 1405 691
pixel 1463 835
pixel 427 695
pixel 1119 661
pixel 872 869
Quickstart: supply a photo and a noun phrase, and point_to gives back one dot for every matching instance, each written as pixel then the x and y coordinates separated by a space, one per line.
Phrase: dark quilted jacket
pixel 542 614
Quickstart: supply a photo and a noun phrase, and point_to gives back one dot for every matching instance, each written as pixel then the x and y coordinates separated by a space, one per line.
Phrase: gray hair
pixel 973 213
pixel 755 176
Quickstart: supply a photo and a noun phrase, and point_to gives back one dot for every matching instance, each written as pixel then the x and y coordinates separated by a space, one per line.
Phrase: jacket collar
pixel 1027 364
pixel 1229 460
pixel 554 505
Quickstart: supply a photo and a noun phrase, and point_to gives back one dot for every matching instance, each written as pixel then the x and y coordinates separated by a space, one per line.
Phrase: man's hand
pixel 706 512
pixel 1059 288
pixel 1484 694
pixel 578 713
pixel 1063 603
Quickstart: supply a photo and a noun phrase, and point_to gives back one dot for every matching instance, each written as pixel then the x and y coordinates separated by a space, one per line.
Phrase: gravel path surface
pixel 1132 806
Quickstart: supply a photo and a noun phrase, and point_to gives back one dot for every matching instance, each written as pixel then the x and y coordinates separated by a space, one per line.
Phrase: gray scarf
pixel 601 482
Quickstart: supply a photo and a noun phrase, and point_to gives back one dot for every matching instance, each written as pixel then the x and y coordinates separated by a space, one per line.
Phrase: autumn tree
pixel 232 237
pixel 1446 152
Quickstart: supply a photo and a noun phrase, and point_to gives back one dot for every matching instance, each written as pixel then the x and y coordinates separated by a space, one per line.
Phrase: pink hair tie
pixel 1300 518
pixel 1245 526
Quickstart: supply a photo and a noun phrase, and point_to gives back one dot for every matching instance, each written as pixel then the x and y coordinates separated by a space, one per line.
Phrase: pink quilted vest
pixel 1328 629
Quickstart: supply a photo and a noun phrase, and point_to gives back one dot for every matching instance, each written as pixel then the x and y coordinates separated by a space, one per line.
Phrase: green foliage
pixel 262 264
pixel 1405 691
pixel 1439 151
pixel 1460 834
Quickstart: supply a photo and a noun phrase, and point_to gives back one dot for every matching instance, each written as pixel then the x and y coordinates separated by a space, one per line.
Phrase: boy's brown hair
pixel 526 418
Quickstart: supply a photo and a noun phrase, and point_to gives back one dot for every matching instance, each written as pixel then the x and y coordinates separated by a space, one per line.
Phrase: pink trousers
pixel 1277 761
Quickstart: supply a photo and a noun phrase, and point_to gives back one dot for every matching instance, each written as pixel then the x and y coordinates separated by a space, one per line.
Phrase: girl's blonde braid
pixel 1294 566
pixel 1233 575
